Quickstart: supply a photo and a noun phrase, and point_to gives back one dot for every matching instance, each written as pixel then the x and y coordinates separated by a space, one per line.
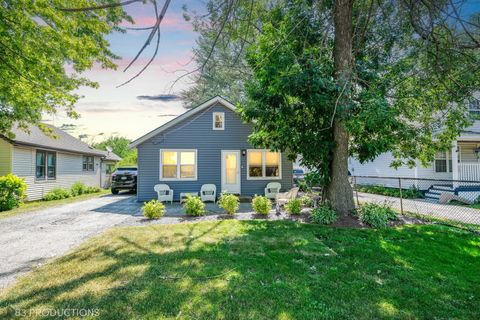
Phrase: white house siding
pixel 106 177
pixel 69 171
pixel 380 167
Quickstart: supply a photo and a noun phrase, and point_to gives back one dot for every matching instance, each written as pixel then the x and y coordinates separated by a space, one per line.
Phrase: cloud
pixel 146 106
pixel 175 22
pixel 160 97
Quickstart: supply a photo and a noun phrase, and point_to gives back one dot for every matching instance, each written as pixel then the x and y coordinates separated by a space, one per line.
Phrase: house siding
pixel 196 132
pixel 69 171
pixel 5 157
pixel 380 167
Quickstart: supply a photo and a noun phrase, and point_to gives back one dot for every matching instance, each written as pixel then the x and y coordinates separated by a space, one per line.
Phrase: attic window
pixel 218 121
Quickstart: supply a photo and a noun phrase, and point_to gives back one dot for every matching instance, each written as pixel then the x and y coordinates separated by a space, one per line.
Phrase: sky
pixel 132 110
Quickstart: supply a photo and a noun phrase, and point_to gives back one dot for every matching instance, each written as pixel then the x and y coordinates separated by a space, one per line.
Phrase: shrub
pixel 376 215
pixel 410 193
pixel 153 209
pixel 324 214
pixel 12 192
pixel 294 206
pixel 57 194
pixel 229 202
pixel 91 189
pixel 194 206
pixel 261 205
pixel 307 201
pixel 78 188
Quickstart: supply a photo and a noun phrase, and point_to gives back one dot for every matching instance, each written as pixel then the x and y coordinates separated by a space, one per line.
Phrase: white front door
pixel 231 171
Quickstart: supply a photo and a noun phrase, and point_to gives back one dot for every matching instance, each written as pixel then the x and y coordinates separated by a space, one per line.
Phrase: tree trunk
pixel 339 192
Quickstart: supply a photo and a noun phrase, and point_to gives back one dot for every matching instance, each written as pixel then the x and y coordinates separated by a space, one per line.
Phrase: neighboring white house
pixel 461 162
pixel 47 162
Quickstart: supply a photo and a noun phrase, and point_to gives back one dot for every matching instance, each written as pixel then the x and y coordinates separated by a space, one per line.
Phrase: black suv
pixel 124 179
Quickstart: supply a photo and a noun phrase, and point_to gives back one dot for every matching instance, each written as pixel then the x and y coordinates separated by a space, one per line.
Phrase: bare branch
pixel 152 34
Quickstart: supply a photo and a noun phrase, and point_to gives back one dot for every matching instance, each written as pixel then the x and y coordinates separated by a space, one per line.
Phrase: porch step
pixel 431 195
pixel 442 187
pixel 436 190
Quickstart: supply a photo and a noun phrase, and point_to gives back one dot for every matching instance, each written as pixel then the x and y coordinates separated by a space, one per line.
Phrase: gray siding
pixel 69 171
pixel 196 133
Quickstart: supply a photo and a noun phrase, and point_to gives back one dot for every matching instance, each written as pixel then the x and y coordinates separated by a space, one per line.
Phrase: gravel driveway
pixel 30 239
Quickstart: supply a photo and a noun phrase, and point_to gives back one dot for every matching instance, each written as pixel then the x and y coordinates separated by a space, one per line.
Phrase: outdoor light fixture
pixel 244 152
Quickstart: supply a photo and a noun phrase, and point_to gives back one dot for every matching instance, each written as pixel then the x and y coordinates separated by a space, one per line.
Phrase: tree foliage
pixel 408 93
pixel 44 50
pixel 119 146
pixel 224 34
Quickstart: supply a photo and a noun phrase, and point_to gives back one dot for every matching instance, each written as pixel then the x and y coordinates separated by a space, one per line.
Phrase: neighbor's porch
pixel 466 155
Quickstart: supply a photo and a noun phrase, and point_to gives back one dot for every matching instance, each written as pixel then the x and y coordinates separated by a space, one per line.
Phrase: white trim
pixel 182 117
pixel 239 171
pixel 263 177
pixel 214 114
pixel 178 151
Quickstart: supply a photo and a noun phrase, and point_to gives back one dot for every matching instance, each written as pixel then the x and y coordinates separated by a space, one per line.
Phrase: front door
pixel 231 171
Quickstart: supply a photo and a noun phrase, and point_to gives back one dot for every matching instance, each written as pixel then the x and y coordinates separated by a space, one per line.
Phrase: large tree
pixel 333 79
pixel 362 78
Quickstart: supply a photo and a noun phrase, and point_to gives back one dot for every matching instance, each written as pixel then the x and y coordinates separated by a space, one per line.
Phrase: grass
pixel 260 270
pixel 40 204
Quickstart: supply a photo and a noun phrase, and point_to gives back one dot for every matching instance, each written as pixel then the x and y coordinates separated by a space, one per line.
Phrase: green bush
pixel 410 193
pixel 12 192
pixel 78 188
pixel 261 205
pixel 307 201
pixel 324 214
pixel 153 209
pixel 294 206
pixel 376 215
pixel 194 206
pixel 229 202
pixel 57 194
pixel 91 189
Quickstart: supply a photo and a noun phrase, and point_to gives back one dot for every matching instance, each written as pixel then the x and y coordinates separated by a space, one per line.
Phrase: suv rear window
pixel 127 169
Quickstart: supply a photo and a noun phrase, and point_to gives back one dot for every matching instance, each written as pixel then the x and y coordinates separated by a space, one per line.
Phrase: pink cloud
pixel 174 21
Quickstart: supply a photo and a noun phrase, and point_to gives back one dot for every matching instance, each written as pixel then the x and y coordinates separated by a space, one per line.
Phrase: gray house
pixel 46 162
pixel 207 145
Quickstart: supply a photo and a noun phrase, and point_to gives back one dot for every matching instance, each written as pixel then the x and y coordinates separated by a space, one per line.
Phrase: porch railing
pixel 469 171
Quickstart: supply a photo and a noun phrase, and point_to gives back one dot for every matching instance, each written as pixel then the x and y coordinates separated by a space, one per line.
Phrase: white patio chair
pixel 272 189
pixel 283 197
pixel 164 192
pixel 208 192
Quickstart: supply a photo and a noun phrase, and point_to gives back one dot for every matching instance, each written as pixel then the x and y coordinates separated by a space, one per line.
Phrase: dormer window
pixel 218 121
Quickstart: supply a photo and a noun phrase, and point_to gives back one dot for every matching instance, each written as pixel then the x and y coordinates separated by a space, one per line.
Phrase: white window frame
pixel 263 177
pixel 448 160
pixel 179 151
pixel 214 114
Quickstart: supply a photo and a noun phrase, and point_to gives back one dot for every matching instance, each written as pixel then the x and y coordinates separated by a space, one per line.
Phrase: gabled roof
pixel 183 116
pixel 60 140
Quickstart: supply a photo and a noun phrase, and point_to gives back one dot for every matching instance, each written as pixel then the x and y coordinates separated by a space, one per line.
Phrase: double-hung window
pixel 45 165
pixel 88 163
pixel 263 164
pixel 178 164
pixel 443 162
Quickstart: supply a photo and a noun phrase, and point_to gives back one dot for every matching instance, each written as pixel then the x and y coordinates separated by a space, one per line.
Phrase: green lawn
pixel 38 205
pixel 261 270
